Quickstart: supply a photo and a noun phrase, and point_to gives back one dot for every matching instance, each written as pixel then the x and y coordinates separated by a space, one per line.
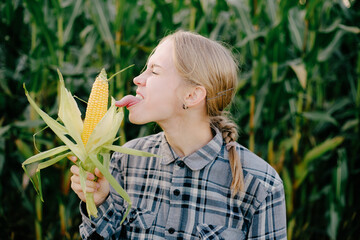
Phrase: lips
pixel 129 100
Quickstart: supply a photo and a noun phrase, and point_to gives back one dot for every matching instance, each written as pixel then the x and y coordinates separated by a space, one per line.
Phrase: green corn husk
pixel 96 154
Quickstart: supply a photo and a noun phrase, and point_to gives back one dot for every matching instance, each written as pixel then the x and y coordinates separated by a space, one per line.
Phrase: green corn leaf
pixel 57 128
pixel 301 169
pixel 105 159
pixel 90 205
pixel 296 26
pixel 130 151
pixel 69 112
pixel 25 149
pixel 335 216
pixel 113 183
pixel 242 12
pixel 46 154
pixel 106 130
pixel 35 184
pixel 82 175
pixel 69 27
pixel 352 123
pixel 251 37
pixel 45 165
pixel 320 116
pixel 288 190
pixel 324 54
pixel 271 11
pixel 52 161
pixel 4 129
pixel 301 73
pixel 321 149
pixel 333 26
pixel 351 29
pixel 101 18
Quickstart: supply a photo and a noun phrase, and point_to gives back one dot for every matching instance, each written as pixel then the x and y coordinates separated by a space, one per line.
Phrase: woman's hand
pixel 100 188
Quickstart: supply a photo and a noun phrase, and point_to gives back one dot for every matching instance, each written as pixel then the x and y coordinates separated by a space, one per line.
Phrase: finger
pixel 90 176
pixel 78 190
pixel 82 196
pixel 76 187
pixel 72 158
pixel 74 169
pixel 92 184
pixel 90 188
pixel 75 179
pixel 89 183
pixel 98 173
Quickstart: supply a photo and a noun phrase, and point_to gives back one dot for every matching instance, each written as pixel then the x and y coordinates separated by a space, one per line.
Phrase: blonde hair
pixel 205 62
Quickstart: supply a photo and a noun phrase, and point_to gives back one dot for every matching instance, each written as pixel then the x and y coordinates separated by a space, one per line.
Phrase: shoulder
pixel 261 179
pixel 259 168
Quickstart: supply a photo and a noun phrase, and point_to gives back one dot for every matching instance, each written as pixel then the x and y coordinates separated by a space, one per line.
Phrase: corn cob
pixel 95 111
pixel 97 105
pixel 90 141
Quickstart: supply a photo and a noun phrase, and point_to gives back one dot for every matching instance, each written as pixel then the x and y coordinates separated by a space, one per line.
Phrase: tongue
pixel 127 101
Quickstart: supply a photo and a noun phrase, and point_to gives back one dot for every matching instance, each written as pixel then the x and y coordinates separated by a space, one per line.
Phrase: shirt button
pixel 176 192
pixel 171 230
pixel 181 164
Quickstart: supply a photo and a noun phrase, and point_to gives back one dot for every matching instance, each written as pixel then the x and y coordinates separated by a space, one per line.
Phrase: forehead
pixel 163 54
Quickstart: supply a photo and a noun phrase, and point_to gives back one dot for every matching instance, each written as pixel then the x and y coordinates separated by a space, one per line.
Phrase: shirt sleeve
pixel 269 220
pixel 107 224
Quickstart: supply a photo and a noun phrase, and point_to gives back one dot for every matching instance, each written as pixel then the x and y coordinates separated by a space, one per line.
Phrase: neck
pixel 186 136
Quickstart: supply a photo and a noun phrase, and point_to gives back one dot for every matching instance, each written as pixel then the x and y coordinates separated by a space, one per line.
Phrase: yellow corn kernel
pixel 97 105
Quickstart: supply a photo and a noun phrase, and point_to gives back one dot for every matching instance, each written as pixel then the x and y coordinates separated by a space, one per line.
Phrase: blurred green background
pixel 297 104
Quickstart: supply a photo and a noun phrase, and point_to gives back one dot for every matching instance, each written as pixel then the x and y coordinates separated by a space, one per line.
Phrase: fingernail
pixel 72 158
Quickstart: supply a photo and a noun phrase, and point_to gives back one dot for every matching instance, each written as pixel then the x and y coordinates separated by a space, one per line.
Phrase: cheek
pixel 161 105
pixel 162 94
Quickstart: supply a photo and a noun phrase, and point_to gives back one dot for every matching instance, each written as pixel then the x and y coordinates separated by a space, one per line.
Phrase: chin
pixel 137 120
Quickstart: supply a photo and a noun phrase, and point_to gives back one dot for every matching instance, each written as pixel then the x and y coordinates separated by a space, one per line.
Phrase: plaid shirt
pixel 189 197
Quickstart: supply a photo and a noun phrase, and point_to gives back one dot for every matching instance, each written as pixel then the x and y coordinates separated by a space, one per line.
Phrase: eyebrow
pixel 151 66
pixel 156 65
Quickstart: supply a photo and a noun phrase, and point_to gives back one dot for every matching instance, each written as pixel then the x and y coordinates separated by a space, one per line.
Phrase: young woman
pixel 205 185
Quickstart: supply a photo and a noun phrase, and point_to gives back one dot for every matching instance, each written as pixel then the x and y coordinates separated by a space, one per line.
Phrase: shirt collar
pixel 197 160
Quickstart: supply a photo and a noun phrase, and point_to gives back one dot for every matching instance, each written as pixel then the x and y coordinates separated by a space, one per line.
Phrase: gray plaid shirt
pixel 190 197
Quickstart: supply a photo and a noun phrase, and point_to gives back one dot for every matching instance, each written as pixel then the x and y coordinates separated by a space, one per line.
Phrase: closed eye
pixel 153 67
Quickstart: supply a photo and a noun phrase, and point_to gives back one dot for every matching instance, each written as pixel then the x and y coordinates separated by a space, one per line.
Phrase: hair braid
pixel 229 131
pixel 228 128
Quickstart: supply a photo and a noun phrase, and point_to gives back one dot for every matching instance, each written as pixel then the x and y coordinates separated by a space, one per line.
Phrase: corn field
pixel 297 102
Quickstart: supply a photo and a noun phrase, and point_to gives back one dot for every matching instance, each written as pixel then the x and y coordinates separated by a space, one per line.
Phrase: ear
pixel 195 95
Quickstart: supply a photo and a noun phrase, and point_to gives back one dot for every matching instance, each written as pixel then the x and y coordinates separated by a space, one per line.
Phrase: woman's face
pixel 159 87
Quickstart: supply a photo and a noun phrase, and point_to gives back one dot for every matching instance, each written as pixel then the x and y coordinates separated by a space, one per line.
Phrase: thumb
pixel 72 158
pixel 98 173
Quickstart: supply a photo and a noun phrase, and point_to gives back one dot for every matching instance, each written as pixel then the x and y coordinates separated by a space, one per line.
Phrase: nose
pixel 140 80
